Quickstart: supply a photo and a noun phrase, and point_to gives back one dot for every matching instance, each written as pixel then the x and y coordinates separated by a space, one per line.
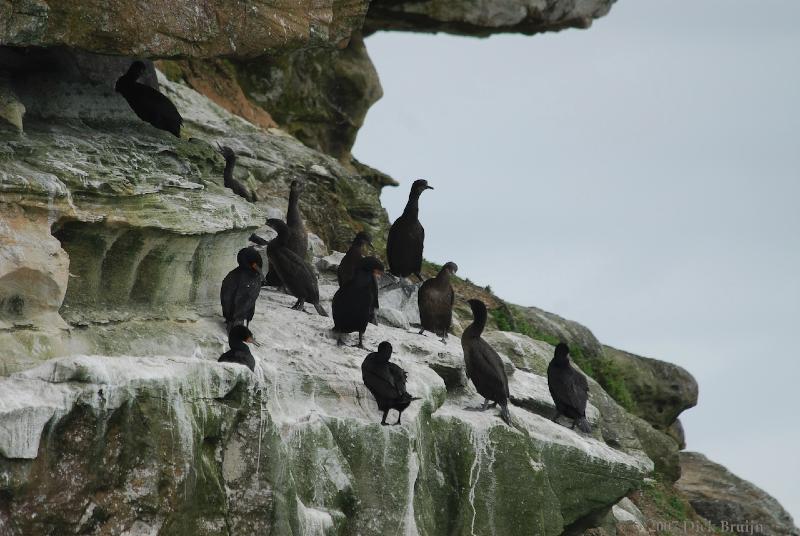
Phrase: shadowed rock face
pixel 482 18
pixel 722 497
pixel 187 28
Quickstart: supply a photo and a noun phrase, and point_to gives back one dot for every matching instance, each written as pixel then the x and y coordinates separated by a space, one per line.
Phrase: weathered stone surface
pixel 676 432
pixel 722 497
pixel 170 28
pixel 661 390
pixel 556 328
pixel 130 438
pixel 11 109
pixel 147 225
pixel 483 17
pixel 320 96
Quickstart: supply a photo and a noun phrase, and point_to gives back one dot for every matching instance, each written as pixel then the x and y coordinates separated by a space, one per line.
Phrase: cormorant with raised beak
pixel 228 179
pixel 294 271
pixel 407 236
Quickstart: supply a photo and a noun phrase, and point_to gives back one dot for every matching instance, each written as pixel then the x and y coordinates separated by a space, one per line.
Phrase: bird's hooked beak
pixel 429 187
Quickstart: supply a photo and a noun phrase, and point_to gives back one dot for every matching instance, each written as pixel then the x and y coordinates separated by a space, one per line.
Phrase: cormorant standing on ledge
pixel 407 236
pixel 435 301
pixel 386 381
pixel 353 303
pixel 483 365
pixel 349 265
pixel 240 289
pixel 229 181
pixel 297 237
pixel 569 389
pixel 239 352
pixel 147 103
pixel 294 271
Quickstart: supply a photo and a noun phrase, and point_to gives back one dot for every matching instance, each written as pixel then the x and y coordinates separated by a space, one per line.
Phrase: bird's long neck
pixel 443 277
pixel 230 163
pixel 239 345
pixel 412 207
pixel 478 324
pixel 293 212
pixel 561 361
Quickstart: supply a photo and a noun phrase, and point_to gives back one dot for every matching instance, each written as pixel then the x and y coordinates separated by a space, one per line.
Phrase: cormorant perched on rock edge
pixel 386 381
pixel 483 365
pixel 297 237
pixel 296 274
pixel 353 304
pixel 407 236
pixel 569 389
pixel 229 181
pixel 435 300
pixel 147 103
pixel 239 352
pixel 240 289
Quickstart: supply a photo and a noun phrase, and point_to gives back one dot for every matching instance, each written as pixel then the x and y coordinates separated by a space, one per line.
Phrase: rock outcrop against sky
pixel 115 417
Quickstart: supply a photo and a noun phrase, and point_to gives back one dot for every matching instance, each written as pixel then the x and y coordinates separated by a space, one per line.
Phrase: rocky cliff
pixel 115 417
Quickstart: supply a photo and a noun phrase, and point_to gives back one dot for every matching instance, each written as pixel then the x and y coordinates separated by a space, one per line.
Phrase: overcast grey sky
pixel 641 177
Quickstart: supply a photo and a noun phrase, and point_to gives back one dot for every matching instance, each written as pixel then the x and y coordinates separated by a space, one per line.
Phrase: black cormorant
pixel 349 264
pixel 386 381
pixel 353 304
pixel 569 389
pixel 406 236
pixel 435 301
pixel 294 272
pixel 239 352
pixel 240 288
pixel 148 103
pixel 483 365
pixel 230 182
pixel 297 237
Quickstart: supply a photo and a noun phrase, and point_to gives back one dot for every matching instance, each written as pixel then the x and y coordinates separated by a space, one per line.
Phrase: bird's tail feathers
pixel 505 415
pixel 320 309
pixel 583 425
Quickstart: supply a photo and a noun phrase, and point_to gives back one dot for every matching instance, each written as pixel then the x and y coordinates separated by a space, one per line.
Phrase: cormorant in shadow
pixel 239 352
pixel 229 181
pixel 407 236
pixel 435 300
pixel 483 365
pixel 353 304
pixel 147 103
pixel 294 271
pixel 569 389
pixel 386 381
pixel 240 289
